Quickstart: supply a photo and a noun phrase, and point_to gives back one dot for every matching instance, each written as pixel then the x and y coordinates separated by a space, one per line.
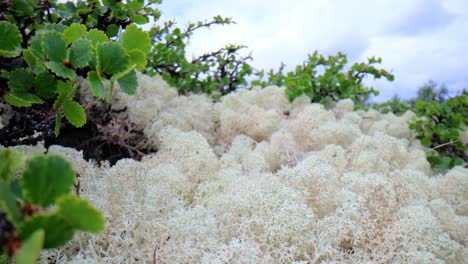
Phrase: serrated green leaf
pixel 67 9
pixel 112 30
pixel 20 80
pixel 111 58
pixel 8 201
pixel 91 20
pixel 80 53
pixel 66 92
pixel 138 58
pixel 74 113
pixel 31 248
pixel 33 62
pixel 137 5
pixel 60 69
pixel 10 161
pixel 46 178
pixel 10 40
pixel 128 83
pixel 80 214
pixel 96 85
pixel 57 231
pixel 23 8
pixel 58 124
pixel 45 85
pixel 96 36
pixel 135 38
pixel 122 73
pixel 74 32
pixel 37 47
pixel 139 19
pixel 60 28
pixel 55 47
pixel 15 101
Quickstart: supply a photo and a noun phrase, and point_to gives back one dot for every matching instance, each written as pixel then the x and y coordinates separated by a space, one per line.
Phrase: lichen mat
pixel 256 179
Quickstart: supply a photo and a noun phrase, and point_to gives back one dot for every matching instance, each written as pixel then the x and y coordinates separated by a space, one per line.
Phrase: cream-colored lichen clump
pixel 256 179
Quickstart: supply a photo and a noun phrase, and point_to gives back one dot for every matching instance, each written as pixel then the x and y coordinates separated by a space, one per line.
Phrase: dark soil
pixel 105 137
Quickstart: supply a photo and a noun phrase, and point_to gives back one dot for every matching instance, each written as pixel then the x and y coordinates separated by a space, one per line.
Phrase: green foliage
pixel 39 173
pixel 41 211
pixel 438 126
pixel 45 45
pixel 429 92
pixel 216 73
pixel 31 248
pixel 394 105
pixel 335 83
pixel 439 122
pixel 10 43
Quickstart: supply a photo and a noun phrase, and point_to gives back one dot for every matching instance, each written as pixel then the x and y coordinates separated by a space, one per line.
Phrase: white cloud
pixel 419 39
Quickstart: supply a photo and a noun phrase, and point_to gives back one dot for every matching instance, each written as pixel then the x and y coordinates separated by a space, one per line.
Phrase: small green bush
pixel 215 73
pixel 325 80
pixel 438 126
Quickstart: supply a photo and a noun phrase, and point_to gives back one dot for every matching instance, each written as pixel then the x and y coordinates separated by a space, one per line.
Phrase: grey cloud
pixel 428 16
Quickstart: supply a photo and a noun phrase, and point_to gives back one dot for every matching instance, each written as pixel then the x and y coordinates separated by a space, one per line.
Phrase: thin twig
pixel 442 145
pixel 154 254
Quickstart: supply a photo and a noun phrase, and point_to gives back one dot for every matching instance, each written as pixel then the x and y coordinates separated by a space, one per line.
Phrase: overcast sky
pixel 418 40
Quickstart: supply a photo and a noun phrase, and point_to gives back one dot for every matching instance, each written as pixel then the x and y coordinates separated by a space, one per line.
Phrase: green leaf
pixel 80 214
pixel 45 84
pixel 66 92
pixel 74 32
pixel 128 83
pixel 55 47
pixel 74 113
pixel 36 45
pixel 96 36
pixel 138 58
pixel 10 40
pixel 111 58
pixel 457 161
pixel 60 69
pixel 60 28
pixel 10 161
pixel 8 201
pixel 135 38
pixel 137 5
pixel 31 248
pixel 112 30
pixel 46 178
pixel 15 101
pixel 80 53
pixel 443 163
pixel 23 8
pixel 26 97
pixel 57 231
pixel 96 85
pixel 20 80
pixel 66 10
pixel 140 20
pixel 33 62
pixel 122 73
